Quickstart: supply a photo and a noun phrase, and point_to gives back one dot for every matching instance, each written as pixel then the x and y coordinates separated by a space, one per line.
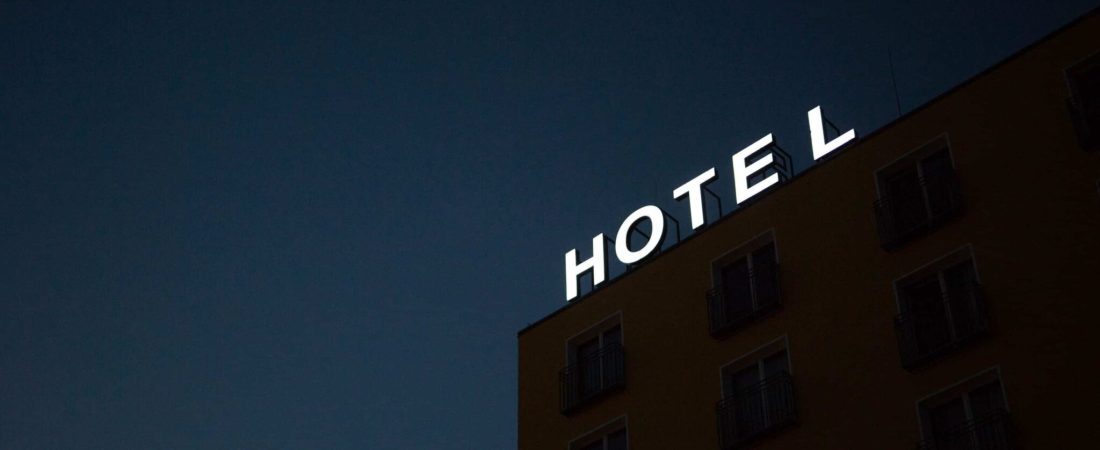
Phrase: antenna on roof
pixel 894 79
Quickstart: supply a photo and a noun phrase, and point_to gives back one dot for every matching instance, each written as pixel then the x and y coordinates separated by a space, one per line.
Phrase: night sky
pixel 319 226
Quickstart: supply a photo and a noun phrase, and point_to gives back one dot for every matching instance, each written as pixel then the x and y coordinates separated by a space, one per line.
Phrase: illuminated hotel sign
pixel 746 185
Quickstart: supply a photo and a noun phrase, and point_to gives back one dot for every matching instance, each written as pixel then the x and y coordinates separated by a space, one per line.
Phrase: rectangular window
pixel 916 194
pixel 971 415
pixel 758 396
pixel 746 285
pixel 595 364
pixel 1084 101
pixel 940 307
pixel 595 369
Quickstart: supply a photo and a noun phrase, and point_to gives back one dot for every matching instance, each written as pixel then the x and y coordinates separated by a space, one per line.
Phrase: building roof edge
pixel 968 81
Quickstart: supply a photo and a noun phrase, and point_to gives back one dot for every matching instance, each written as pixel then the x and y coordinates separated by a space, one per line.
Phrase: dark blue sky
pixel 320 225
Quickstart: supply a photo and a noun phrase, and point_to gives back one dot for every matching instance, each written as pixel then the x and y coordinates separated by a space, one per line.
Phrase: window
pixel 758 396
pixel 916 194
pixel 940 309
pixel 609 436
pixel 613 441
pixel 1084 101
pixel 746 285
pixel 971 415
pixel 595 364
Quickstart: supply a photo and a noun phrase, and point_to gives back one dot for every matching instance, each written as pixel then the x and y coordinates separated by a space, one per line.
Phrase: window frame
pixel 598 332
pixel 756 357
pixel 745 251
pixel 937 268
pixel 1075 104
pixel 915 158
pixel 600 434
pixel 959 389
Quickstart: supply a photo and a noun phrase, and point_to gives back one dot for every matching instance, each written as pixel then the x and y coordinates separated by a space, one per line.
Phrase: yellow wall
pixel 1032 215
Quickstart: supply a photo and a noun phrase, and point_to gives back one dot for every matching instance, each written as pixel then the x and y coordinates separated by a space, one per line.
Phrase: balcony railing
pixel 906 215
pixel 934 327
pixel 756 411
pixel 727 315
pixel 990 432
pixel 591 376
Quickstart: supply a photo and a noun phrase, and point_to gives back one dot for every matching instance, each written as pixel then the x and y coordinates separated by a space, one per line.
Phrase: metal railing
pixel 990 432
pixel 756 411
pixel 591 376
pixel 906 215
pixel 934 327
pixel 764 292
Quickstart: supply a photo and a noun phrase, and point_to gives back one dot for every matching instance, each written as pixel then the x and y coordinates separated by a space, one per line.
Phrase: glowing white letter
pixel 741 173
pixel 817 135
pixel 597 264
pixel 656 235
pixel 694 190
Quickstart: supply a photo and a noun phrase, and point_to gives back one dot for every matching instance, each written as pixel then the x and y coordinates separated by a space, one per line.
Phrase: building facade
pixel 932 285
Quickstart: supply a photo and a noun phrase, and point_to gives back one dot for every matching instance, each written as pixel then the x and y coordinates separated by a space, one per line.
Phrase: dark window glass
pixel 595 365
pixel 1087 86
pixel 745 287
pixel 906 199
pixel 928 313
pixel 735 288
pixel 987 399
pixel 617 440
pixel 611 362
pixel 749 414
pixel 743 379
pixel 764 275
pixel 775 364
pixel 939 312
pixel 972 420
pixel 985 403
pixel 947 419
pixel 1084 103
pixel 759 401
pixel 588 366
pixel 588 348
pixel 937 165
pixel 598 445
pixel 613 337
pixel 916 195
pixel 959 281
pixel 936 170
pixel 774 396
pixel 959 275
pixel 922 295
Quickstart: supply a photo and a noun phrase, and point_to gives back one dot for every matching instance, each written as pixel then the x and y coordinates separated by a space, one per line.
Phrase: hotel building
pixel 932 285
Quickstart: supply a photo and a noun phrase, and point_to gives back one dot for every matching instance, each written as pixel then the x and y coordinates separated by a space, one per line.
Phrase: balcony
pixel 755 412
pixel 990 432
pixel 591 377
pixel 935 327
pixel 729 314
pixel 914 211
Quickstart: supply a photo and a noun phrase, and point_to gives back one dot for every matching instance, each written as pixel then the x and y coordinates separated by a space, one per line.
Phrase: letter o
pixel 656 217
